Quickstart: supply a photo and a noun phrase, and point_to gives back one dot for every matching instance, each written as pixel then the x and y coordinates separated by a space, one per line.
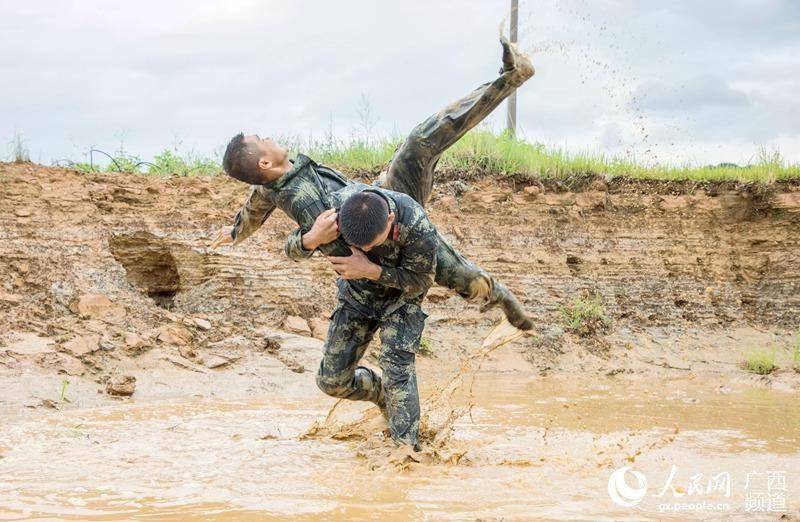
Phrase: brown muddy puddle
pixel 537 448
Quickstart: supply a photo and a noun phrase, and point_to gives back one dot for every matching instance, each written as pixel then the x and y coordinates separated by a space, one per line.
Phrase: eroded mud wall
pixel 658 254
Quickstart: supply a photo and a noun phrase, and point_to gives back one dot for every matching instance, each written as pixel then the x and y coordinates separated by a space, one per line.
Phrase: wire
pixel 109 156
pixel 152 165
pixel 114 161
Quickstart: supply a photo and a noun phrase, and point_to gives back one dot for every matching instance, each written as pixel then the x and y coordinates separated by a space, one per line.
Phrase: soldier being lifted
pixel 312 195
pixel 301 187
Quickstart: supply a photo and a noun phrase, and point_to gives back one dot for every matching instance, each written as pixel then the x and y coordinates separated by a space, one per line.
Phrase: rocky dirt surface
pixel 105 275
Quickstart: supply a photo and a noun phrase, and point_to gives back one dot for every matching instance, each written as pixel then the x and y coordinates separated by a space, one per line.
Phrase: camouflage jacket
pixel 301 193
pixel 407 258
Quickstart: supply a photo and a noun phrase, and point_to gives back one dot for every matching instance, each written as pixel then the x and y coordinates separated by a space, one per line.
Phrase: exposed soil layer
pixel 110 293
pixel 684 270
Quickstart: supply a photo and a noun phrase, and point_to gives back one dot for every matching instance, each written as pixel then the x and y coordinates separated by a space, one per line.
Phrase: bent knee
pixel 417 144
pixel 417 136
pixel 332 386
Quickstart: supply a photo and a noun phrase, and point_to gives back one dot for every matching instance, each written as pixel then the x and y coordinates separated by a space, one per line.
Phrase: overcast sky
pixel 703 81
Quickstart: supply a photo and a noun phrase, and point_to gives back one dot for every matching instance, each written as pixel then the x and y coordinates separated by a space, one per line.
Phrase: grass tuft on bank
pixel 764 360
pixel 18 149
pixel 585 315
pixel 168 162
pixel 479 152
pixel 482 151
pixel 760 360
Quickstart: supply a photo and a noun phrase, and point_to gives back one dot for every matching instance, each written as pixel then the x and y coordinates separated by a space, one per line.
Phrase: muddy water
pixel 534 448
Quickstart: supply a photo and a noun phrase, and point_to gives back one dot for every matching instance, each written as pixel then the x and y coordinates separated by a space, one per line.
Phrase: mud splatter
pixel 438 414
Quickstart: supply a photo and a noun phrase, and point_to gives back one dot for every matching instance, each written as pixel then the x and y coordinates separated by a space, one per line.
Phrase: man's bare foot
pixel 515 60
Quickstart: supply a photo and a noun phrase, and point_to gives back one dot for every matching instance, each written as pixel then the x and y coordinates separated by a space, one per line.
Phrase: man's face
pixel 270 155
pixel 382 237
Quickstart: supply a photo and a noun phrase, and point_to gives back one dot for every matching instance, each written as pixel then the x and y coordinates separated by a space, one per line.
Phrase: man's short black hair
pixel 362 217
pixel 241 161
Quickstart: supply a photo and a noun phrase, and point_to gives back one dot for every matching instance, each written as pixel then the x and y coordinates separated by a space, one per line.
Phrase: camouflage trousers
pixel 410 172
pixel 339 375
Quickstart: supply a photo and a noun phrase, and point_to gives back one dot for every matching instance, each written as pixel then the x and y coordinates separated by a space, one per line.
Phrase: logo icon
pixel 619 490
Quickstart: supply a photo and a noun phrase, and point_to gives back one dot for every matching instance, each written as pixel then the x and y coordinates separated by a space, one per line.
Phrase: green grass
pixel 760 360
pixel 18 150
pixel 168 162
pixel 186 165
pixel 64 384
pixel 356 156
pixel 479 152
pixel 426 347
pixel 585 315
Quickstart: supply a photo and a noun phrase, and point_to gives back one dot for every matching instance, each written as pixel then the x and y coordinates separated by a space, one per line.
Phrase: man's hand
pixel 357 266
pixel 223 237
pixel 324 230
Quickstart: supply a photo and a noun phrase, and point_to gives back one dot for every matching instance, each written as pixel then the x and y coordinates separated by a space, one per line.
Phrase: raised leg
pixel 475 285
pixel 412 167
pixel 413 164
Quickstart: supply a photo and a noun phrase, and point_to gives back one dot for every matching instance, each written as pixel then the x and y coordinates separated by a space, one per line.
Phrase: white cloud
pixel 703 81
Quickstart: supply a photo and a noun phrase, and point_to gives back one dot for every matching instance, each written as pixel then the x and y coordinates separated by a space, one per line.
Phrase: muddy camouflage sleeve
pixel 294 246
pixel 418 264
pixel 252 215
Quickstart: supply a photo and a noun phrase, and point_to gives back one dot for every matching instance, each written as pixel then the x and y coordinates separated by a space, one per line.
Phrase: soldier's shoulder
pixel 404 200
pixel 353 187
pixel 346 191
pixel 321 167
pixel 414 210
pixel 413 217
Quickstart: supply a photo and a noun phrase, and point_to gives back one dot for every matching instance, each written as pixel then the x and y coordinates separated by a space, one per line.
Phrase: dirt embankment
pixel 105 273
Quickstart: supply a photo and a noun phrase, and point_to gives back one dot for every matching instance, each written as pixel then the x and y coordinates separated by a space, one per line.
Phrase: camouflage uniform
pixel 393 303
pixel 302 193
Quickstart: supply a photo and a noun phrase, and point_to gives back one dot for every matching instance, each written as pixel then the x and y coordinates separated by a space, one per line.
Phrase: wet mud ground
pixel 533 447
pixel 108 286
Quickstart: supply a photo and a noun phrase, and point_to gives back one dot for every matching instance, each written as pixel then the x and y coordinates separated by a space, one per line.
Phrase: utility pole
pixel 511 119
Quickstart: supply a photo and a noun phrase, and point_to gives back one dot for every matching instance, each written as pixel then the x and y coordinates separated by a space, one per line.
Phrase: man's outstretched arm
pixel 252 215
pixel 248 220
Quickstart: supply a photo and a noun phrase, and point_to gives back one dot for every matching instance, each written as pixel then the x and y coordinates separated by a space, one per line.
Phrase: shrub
pixel 585 315
pixel 19 150
pixel 426 347
pixel 760 360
